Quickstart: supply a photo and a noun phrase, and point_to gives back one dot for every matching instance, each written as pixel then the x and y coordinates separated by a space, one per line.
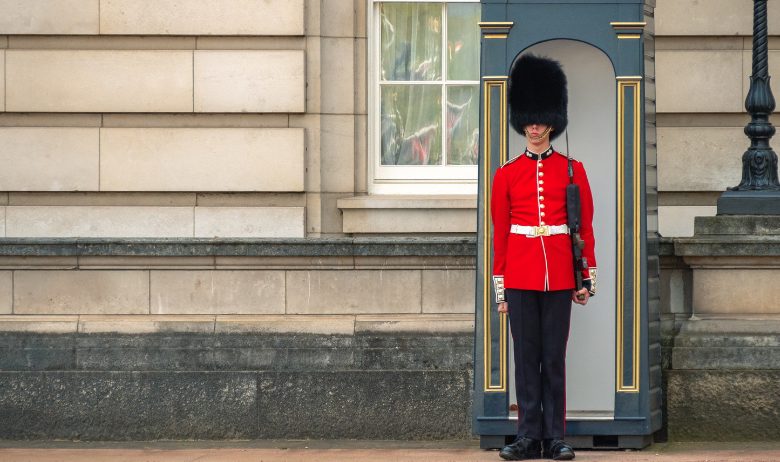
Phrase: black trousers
pixel 539 322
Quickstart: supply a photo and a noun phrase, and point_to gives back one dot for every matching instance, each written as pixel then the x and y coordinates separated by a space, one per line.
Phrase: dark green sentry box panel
pixel 614 361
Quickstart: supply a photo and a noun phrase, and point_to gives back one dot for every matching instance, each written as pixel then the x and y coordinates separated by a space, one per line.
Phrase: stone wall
pixel 703 62
pixel 225 119
pixel 122 339
pixel 194 379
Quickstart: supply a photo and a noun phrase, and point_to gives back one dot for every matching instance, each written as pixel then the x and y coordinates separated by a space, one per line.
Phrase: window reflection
pixel 429 92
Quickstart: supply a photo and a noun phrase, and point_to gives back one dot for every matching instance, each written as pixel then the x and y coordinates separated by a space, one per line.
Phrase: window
pixel 424 97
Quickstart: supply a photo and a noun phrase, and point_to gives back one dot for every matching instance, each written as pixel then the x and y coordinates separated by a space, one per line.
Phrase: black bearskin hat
pixel 537 94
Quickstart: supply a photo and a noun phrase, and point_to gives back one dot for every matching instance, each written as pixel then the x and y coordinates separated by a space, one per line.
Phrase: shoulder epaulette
pixel 511 160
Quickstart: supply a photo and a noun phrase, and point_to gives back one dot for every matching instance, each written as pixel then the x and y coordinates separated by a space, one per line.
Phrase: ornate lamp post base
pixel 749 203
pixel 759 191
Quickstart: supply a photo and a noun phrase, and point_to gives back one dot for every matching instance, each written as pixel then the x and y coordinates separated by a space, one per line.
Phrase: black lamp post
pixel 759 191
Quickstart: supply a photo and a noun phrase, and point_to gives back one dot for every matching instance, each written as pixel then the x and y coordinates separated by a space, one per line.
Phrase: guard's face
pixel 537 133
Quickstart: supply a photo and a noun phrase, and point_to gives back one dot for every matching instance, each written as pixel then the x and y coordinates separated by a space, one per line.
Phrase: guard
pixel 535 255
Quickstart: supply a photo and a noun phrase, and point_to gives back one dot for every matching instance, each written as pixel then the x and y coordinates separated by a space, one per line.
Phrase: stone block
pixel 388 404
pixel 6 292
pixel 723 405
pixel 296 324
pixel 98 324
pixel 226 42
pixel 360 19
pixel 204 17
pixel 361 154
pixel 151 199
pixel 50 17
pixel 740 227
pixel 735 291
pixel 361 76
pixel 409 220
pixel 311 125
pixel 99 221
pixel 337 153
pixel 415 350
pixel 196 120
pixel 102 42
pixel 353 292
pixel 313 72
pixel 331 215
pixel 49 119
pixel 249 81
pixel 2 80
pixel 697 18
pixel 144 262
pixel 81 292
pixel 201 159
pixel 217 292
pixel 281 262
pixel 49 159
pixel 700 158
pixel 338 18
pixel 40 324
pixel 679 43
pixel 677 221
pixel 139 352
pixel 313 215
pixel 448 291
pixel 699 81
pixel 37 262
pixel 33 351
pixel 98 81
pixel 128 405
pixel 414 324
pixel 251 199
pixel 338 82
pixel 249 222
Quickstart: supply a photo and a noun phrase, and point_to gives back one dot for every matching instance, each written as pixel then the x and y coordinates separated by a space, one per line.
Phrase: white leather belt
pixel 536 231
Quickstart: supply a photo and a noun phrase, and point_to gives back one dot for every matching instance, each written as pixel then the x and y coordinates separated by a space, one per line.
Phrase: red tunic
pixel 530 190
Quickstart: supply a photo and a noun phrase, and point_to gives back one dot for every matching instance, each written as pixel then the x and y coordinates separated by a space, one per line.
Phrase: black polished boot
pixel 522 449
pixel 557 450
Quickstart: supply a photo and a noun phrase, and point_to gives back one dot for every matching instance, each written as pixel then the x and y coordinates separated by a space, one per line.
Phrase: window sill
pixel 378 214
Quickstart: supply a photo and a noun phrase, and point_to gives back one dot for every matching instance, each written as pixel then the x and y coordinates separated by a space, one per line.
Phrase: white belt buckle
pixel 541 230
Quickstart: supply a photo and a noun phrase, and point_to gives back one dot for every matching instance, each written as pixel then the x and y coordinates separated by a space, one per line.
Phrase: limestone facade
pixel 246 120
pixel 127 118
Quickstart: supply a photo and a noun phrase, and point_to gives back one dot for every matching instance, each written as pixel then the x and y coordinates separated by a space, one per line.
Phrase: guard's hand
pixel 503 307
pixel 581 296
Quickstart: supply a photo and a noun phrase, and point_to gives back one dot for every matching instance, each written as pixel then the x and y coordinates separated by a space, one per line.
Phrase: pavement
pixel 356 451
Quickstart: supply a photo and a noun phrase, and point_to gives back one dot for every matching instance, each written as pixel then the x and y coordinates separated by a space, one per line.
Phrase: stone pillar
pixel 723 381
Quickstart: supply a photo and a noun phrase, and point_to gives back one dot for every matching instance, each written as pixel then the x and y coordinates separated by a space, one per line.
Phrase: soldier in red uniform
pixel 533 263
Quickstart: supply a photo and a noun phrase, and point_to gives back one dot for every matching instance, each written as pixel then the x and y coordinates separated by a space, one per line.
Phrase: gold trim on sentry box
pixel 495 24
pixel 628 24
pixel 625 83
pixel 487 305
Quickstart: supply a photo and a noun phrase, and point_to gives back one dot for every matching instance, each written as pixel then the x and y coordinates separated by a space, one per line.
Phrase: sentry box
pixel 614 353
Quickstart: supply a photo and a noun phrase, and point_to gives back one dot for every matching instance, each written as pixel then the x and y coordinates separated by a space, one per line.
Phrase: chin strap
pixel 542 136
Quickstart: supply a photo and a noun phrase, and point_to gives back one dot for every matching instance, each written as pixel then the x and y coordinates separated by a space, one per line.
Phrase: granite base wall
pixel 723 405
pixel 235 386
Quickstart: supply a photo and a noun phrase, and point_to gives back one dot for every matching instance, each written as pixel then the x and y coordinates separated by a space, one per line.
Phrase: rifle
pixel 573 221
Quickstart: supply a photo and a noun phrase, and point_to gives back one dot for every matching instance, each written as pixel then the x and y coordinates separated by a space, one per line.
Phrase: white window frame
pixel 410 179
